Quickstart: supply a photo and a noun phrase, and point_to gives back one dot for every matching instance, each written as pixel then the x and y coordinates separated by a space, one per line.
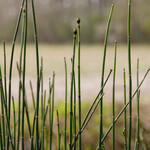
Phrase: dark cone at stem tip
pixel 75 31
pixel 78 20
pixel 24 10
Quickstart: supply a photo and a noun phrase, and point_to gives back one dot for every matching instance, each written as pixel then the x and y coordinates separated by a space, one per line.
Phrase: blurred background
pixel 56 18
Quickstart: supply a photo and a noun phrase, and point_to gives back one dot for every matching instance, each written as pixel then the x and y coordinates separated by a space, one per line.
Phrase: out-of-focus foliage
pixel 56 18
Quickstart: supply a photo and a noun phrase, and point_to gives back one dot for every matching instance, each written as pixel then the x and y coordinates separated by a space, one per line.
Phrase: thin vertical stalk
pixel 43 123
pixel 14 118
pixel 52 110
pixel 11 63
pixel 102 77
pixel 65 126
pixel 130 75
pixel 24 70
pixel 19 68
pixel 138 111
pixel 113 98
pixel 2 120
pixel 79 82
pixel 32 93
pixel 5 78
pixel 38 78
pixel 71 89
pixel 42 88
pixel 125 118
pixel 5 108
pixel 1 143
pixel 58 131
pixel 74 115
pixel 50 113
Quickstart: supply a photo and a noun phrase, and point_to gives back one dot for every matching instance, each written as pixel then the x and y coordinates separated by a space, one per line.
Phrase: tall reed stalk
pixel 5 78
pixel 58 132
pixel 11 63
pixel 6 113
pixel 38 78
pixel 24 71
pixel 2 118
pixel 125 117
pixel 74 114
pixel 138 112
pixel 19 68
pixel 42 88
pixel 102 77
pixel 79 83
pixel 66 89
pixel 71 89
pixel 50 113
pixel 113 98
pixel 14 118
pixel 130 75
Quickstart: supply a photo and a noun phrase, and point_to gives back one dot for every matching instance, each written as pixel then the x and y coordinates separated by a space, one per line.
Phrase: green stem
pixel 58 131
pixel 6 114
pixel 71 89
pixel 65 126
pixel 11 63
pixel 125 118
pixel 102 78
pixel 113 99
pixel 130 76
pixel 42 88
pixel 79 83
pixel 24 70
pixel 32 93
pixel 138 112
pixel 5 78
pixel 14 118
pixel 38 78
pixel 74 115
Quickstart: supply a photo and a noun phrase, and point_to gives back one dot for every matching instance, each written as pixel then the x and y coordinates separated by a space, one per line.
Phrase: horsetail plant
pixel 50 113
pixel 2 118
pixel 32 93
pixel 58 132
pixel 5 78
pixel 14 118
pixel 71 89
pixel 11 63
pixel 113 97
pixel 102 77
pixel 92 109
pixel 124 108
pixel 66 89
pixel 38 78
pixel 19 68
pixel 130 75
pixel 125 118
pixel 24 70
pixel 51 110
pixel 74 113
pixel 79 82
pixel 5 108
pixel 138 112
pixel 42 88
